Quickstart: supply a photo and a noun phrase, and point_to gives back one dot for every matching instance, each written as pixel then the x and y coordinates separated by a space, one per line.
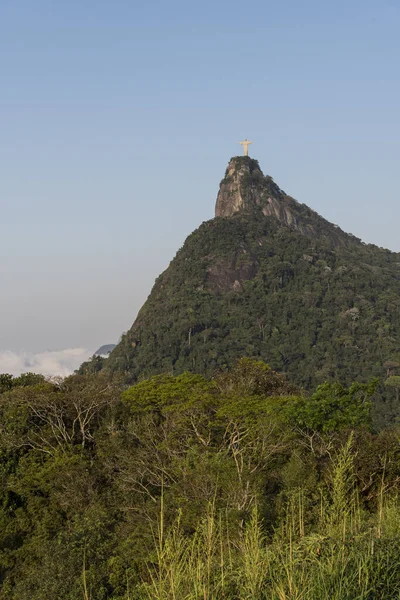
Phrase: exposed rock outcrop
pixel 246 189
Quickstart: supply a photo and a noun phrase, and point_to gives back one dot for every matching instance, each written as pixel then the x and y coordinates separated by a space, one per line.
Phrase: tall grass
pixel 347 555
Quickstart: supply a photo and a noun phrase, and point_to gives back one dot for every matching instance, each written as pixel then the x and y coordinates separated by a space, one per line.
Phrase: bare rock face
pixel 246 189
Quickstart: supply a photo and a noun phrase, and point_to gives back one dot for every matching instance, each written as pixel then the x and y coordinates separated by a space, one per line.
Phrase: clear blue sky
pixel 117 120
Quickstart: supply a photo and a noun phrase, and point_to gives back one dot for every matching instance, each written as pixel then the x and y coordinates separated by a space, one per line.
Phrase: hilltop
pixel 268 278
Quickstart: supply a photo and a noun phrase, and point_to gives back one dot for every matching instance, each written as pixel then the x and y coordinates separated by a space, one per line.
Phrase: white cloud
pixel 56 362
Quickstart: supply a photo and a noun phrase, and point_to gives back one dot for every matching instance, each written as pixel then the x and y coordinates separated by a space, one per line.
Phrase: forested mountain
pixel 212 477
pixel 268 278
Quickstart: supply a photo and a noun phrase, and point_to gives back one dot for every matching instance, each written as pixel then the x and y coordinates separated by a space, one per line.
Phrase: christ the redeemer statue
pixel 245 145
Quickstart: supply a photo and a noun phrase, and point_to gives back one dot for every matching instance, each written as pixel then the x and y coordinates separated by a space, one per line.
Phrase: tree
pixel 334 407
pixel 394 382
pixel 390 365
pixel 53 417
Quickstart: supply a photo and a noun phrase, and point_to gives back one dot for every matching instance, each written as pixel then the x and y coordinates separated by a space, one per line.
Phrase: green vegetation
pixel 277 282
pixel 316 307
pixel 185 487
pixel 166 473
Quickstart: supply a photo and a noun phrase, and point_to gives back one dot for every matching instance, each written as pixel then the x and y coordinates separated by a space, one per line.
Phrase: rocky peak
pixel 244 188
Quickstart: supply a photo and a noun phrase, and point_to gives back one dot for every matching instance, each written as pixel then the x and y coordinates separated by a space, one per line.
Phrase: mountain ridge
pixel 245 188
pixel 267 278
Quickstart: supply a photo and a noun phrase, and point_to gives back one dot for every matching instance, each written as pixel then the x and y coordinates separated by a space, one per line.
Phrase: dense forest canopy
pixel 233 486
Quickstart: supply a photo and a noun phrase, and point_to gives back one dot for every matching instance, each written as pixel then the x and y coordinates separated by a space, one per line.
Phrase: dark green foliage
pixel 8 382
pixel 247 286
pixel 333 407
pixel 85 466
pixel 394 382
pixel 93 365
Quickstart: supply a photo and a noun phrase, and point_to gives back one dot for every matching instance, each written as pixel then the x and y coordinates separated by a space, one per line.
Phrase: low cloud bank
pixel 57 362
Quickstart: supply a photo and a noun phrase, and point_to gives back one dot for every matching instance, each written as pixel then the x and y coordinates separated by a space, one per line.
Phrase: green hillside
pixel 269 279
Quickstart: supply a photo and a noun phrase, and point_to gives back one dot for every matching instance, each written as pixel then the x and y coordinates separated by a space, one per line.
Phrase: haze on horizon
pixel 118 121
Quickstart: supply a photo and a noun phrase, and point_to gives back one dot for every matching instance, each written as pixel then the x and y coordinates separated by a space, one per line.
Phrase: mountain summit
pixel 268 277
pixel 246 189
